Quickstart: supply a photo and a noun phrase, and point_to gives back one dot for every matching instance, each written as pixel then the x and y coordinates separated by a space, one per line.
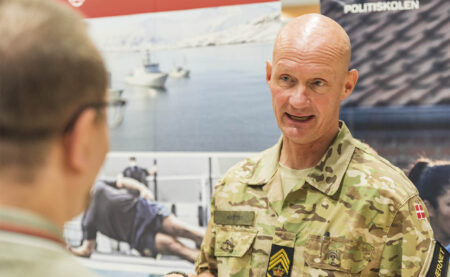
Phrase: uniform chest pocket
pixel 233 241
pixel 233 249
pixel 337 254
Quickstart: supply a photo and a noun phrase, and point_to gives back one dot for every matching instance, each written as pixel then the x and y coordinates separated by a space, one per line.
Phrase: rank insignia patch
pixel 280 262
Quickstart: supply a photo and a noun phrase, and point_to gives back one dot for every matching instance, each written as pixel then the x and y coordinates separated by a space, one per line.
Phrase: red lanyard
pixel 30 232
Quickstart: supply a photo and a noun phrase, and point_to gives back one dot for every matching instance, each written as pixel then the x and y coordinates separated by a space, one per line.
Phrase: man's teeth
pixel 301 118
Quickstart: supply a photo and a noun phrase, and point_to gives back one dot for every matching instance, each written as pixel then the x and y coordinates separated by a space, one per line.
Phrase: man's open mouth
pixel 300 118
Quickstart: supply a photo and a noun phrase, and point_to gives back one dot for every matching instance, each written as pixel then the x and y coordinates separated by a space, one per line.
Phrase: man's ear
pixel 268 71
pixel 78 142
pixel 431 211
pixel 350 83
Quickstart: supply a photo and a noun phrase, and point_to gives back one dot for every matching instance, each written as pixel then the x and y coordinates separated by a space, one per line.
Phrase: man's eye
pixel 285 78
pixel 319 83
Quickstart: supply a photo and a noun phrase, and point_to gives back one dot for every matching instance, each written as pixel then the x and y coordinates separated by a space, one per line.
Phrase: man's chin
pixel 296 135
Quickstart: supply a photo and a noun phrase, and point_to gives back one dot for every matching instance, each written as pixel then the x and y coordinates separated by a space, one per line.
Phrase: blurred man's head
pixel 53 86
pixel 132 161
pixel 309 77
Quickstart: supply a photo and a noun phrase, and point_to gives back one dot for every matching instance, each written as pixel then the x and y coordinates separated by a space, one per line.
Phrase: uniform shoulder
pixel 243 169
pixel 253 170
pixel 378 173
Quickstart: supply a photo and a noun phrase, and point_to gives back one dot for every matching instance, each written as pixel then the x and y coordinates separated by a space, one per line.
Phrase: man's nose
pixel 299 97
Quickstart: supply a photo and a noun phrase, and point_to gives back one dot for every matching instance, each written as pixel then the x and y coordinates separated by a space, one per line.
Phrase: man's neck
pixel 39 198
pixel 302 156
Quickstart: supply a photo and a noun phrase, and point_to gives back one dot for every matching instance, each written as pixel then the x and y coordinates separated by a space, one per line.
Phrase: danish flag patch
pixel 419 211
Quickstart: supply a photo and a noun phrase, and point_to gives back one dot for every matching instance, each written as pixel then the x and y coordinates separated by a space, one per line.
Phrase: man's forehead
pixel 295 55
pixel 310 45
pixel 288 65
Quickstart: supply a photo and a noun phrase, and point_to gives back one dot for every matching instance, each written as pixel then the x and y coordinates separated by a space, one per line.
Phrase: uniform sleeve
pixel 409 243
pixel 206 260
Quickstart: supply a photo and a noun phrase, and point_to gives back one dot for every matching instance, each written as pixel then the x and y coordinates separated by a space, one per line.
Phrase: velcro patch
pixel 234 217
pixel 439 262
pixel 280 262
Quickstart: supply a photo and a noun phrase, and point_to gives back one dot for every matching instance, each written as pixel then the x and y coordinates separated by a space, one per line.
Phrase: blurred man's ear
pixel 78 142
pixel 350 83
pixel 268 71
pixel 430 209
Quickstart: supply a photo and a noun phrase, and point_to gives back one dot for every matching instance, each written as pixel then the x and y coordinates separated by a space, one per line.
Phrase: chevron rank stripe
pixel 280 262
pixel 279 257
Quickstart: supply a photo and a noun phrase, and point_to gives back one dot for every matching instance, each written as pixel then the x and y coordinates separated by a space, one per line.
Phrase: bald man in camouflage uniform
pixel 319 202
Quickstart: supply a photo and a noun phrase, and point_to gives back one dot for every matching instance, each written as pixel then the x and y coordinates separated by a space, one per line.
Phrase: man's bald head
pixel 311 33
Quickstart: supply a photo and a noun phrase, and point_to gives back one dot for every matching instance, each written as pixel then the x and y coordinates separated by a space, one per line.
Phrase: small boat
pixel 179 72
pixel 148 75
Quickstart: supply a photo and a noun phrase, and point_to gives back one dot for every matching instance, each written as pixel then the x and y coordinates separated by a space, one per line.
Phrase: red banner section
pixel 103 8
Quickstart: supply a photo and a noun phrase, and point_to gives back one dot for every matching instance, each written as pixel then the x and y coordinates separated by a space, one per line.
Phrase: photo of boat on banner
pixel 173 74
pixel 148 75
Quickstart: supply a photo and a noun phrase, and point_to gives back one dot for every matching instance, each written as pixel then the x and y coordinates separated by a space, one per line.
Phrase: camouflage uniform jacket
pixel 354 215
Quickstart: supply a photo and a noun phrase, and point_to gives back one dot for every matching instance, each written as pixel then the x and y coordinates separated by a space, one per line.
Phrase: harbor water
pixel 225 104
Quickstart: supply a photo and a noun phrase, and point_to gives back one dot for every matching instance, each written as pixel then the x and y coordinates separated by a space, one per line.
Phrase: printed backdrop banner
pixel 102 8
pixel 401 48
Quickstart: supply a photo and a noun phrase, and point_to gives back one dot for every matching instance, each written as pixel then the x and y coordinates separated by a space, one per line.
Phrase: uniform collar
pixel 27 223
pixel 327 174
